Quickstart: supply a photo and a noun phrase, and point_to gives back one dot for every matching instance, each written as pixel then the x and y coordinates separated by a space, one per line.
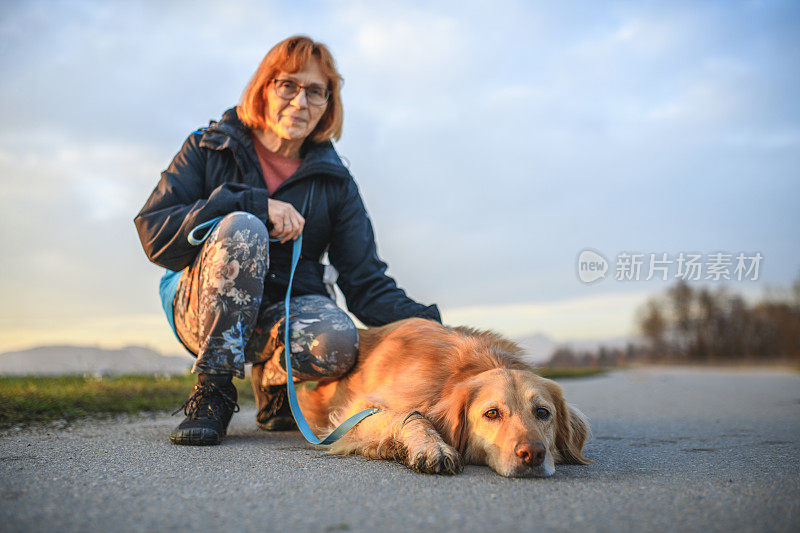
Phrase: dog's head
pixel 516 422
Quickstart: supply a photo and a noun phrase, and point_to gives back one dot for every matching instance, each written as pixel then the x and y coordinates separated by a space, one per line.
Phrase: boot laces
pixel 207 401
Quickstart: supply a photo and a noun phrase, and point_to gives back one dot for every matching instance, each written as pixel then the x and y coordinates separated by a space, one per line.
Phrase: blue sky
pixel 492 143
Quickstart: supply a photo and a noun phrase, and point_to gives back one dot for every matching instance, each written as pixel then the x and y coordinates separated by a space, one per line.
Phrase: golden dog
pixel 448 397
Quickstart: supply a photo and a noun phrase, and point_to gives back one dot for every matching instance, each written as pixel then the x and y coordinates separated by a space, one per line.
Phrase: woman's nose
pixel 300 99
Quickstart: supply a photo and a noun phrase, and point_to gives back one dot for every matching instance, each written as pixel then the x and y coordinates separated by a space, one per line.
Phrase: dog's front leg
pixel 424 449
pixel 408 438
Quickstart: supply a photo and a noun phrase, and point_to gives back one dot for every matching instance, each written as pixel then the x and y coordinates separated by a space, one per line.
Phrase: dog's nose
pixel 531 453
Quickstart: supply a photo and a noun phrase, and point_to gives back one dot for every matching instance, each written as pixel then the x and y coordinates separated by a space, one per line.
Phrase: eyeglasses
pixel 288 89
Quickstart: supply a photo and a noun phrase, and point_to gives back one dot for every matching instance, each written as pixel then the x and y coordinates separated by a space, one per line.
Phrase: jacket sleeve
pixel 178 204
pixel 371 295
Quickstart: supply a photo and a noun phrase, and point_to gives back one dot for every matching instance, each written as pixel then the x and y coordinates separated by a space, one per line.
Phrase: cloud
pixel 67 233
pixel 98 180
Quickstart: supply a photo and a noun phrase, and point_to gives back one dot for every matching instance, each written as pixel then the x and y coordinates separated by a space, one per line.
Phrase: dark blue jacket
pixel 217 172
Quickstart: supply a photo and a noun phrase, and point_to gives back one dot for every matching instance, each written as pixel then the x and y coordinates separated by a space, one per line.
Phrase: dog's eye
pixel 491 414
pixel 542 413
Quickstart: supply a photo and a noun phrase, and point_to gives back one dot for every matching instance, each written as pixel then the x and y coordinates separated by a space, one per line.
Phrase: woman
pixel 266 168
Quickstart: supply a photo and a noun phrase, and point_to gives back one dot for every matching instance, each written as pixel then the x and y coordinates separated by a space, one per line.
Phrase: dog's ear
pixel 579 433
pixel 451 413
pixel 572 429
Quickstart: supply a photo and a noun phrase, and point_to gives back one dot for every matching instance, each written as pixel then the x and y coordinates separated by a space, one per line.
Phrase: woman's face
pixel 295 119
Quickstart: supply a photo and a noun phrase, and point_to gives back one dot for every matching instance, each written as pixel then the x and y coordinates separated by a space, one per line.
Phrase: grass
pixel 567 373
pixel 32 400
pixel 37 400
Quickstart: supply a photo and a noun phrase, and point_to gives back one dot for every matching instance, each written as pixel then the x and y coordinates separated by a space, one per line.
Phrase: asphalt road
pixel 674 450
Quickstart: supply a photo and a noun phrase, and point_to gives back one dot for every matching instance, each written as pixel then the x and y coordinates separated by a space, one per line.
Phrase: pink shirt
pixel 276 168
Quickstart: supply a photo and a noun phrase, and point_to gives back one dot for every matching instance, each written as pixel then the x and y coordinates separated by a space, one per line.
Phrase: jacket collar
pixel 230 133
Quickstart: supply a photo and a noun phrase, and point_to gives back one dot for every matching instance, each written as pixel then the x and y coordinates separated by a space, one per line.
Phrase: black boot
pixel 208 411
pixel 274 413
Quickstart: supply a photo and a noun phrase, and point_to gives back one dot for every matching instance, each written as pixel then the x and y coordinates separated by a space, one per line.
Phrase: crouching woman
pixel 266 169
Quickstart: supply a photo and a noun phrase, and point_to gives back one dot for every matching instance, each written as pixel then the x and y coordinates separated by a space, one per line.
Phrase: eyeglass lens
pixel 287 89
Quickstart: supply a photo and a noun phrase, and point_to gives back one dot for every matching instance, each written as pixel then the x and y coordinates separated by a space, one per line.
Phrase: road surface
pixel 675 449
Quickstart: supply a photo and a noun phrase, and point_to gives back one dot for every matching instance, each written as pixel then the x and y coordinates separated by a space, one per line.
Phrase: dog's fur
pixel 434 387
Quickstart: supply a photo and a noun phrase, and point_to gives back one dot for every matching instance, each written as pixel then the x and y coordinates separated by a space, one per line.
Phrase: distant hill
pixel 538 347
pixel 60 360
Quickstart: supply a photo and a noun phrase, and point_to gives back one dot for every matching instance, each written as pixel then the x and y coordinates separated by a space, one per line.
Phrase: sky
pixel 492 143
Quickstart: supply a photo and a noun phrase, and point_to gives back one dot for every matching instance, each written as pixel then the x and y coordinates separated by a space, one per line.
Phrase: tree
pixel 653 325
pixel 680 297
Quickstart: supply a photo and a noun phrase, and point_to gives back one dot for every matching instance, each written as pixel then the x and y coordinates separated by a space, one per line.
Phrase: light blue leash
pixel 297 413
pixel 211 224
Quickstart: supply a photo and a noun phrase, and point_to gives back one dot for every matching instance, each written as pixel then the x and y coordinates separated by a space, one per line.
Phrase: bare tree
pixel 705 325
pixel 653 325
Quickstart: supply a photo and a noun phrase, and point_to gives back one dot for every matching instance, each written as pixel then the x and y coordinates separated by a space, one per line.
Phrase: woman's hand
pixel 287 223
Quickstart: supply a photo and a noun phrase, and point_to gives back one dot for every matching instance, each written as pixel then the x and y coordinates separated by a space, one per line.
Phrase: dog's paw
pixel 434 458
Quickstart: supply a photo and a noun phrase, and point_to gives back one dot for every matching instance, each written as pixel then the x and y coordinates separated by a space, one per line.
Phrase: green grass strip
pixel 36 400
pixel 569 373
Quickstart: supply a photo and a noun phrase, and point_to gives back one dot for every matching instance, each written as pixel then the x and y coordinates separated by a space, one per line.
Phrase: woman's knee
pixel 327 343
pixel 339 349
pixel 239 238
pixel 233 261
pixel 241 220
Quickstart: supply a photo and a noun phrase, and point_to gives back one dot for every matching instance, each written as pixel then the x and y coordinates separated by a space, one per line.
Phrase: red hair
pixel 291 55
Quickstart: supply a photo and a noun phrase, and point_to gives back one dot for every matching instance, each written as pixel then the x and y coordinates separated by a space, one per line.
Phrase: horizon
pixel 479 314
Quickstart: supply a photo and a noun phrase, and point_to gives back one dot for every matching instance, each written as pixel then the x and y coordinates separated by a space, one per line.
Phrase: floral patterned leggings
pixel 220 315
